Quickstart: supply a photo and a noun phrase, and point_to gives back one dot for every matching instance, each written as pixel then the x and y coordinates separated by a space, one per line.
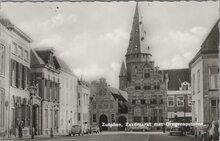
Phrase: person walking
pixel 164 128
pixel 20 127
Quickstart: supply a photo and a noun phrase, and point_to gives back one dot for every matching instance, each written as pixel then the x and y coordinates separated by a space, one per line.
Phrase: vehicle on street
pixel 211 133
pixel 177 131
pixel 95 129
pixel 75 129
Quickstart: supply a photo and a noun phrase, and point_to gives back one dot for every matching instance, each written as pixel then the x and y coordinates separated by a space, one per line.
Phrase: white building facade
pixel 205 81
pixel 68 98
pixel 83 97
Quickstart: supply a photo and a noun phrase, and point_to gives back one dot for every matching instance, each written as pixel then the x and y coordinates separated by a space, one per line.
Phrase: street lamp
pixel 32 89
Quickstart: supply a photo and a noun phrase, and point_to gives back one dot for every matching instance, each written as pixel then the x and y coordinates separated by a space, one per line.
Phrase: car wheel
pixel 202 138
pixel 170 134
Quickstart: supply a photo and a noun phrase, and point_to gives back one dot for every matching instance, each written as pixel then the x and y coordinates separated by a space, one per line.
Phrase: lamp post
pixel 32 89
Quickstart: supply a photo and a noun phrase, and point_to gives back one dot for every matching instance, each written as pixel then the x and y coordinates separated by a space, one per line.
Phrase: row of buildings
pixel 148 94
pixel 145 93
pixel 55 105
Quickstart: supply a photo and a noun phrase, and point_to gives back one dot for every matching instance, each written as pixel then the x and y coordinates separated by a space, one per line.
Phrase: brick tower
pixel 141 79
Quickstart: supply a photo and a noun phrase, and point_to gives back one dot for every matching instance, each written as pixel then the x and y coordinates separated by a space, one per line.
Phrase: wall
pixel 68 101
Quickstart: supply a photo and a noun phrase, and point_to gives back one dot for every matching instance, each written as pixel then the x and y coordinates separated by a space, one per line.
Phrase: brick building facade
pixel 144 83
pixel 179 96
pixel 109 105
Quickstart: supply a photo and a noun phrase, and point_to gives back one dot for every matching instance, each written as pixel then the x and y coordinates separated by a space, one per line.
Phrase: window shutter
pixel 216 81
pixel 20 75
pixel 11 71
pixel 28 75
pixel 17 75
pixel 23 76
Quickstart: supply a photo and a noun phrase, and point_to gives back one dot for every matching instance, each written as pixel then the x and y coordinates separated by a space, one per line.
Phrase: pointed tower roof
pixel 138 41
pixel 123 71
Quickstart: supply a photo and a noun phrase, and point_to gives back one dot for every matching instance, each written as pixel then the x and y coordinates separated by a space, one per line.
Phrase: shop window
pixel 170 100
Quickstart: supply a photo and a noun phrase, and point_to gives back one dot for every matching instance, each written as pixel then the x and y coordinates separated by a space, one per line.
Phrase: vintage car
pixel 95 129
pixel 75 129
pixel 177 131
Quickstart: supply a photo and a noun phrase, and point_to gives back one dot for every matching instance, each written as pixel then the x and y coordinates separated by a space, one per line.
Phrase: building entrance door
pixel 103 120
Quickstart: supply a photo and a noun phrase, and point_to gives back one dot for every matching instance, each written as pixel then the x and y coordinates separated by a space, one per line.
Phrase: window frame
pixel 189 102
pixel 26 59
pixel 2 72
pixel 2 102
pixel 14 44
pixel 215 76
pixel 22 54
pixel 168 101
pixel 198 80
pixel 178 100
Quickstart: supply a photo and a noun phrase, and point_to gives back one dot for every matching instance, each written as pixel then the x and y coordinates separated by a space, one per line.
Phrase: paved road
pixel 120 136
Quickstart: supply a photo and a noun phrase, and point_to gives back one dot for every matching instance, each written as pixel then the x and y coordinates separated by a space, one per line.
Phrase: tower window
pixel 143 101
pixel 146 74
pixel 147 87
pixel 156 85
pixel 142 38
pixel 137 87
pixel 133 101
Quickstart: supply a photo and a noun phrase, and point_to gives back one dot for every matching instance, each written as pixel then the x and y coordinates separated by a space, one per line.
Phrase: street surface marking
pixel 148 137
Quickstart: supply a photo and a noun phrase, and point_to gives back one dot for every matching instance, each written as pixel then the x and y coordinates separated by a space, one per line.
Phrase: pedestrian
pixel 164 128
pixel 100 129
pixel 20 130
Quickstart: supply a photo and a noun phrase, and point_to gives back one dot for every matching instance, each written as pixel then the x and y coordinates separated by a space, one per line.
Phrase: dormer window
pixel 185 86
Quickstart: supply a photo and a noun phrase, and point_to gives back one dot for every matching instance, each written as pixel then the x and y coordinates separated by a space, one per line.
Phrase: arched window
pixel 156 85
pixel 146 73
pixel 137 86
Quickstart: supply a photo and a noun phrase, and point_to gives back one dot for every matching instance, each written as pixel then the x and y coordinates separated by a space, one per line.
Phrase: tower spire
pixel 138 41
pixel 123 71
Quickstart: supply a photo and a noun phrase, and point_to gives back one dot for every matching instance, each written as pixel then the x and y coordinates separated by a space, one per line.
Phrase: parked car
pixel 75 129
pixel 177 131
pixel 95 129
pixel 211 133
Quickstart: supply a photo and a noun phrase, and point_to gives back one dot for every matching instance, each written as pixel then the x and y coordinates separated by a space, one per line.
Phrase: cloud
pixel 115 36
pixel 55 40
pixel 48 24
pixel 177 47
pixel 198 30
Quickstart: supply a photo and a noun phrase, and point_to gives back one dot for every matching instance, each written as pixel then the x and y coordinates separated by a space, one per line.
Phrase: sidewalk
pixel 29 137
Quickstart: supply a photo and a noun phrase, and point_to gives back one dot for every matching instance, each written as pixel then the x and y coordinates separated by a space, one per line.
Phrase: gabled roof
pixel 64 66
pixel 42 57
pixel 123 71
pixel 9 25
pixel 121 95
pixel 210 45
pixel 138 41
pixel 35 59
pixel 176 77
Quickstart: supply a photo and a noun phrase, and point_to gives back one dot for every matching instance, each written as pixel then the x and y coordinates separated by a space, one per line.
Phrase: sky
pixel 92 37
